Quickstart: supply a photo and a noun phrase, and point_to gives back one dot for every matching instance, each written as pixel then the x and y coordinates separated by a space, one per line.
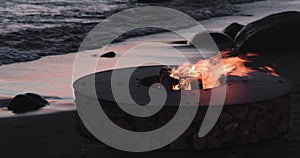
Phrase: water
pixel 32 29
pixel 16 15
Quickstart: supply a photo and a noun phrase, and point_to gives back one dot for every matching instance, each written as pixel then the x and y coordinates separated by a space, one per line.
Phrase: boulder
pixel 37 98
pixel 223 41
pixel 26 102
pixel 110 54
pixel 233 29
pixel 273 33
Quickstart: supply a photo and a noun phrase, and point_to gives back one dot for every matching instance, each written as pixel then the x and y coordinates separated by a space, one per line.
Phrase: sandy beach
pixel 50 132
pixel 54 136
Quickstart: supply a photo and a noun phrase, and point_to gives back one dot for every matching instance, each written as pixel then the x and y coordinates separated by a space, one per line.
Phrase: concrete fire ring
pixel 256 109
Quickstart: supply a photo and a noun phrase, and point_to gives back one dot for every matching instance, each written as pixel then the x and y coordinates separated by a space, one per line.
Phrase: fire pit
pixel 256 107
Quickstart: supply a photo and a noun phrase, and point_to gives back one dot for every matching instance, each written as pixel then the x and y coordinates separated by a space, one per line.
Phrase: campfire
pixel 253 111
pixel 210 73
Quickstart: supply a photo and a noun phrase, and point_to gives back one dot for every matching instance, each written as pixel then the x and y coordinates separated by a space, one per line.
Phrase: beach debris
pixel 110 54
pixel 277 32
pixel 233 29
pixel 26 102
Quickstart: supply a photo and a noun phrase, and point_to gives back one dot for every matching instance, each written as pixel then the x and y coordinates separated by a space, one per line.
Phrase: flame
pixel 212 72
pixel 269 70
pixel 176 87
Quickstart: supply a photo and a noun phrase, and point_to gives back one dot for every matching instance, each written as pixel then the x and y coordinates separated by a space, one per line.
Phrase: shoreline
pixel 38 43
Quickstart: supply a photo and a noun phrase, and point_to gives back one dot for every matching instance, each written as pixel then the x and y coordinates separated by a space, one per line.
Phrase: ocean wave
pixel 27 45
pixel 31 29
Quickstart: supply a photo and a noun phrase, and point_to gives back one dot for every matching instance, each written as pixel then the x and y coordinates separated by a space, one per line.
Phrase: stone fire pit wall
pixel 238 124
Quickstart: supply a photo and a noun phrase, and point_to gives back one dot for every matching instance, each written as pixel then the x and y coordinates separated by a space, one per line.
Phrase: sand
pixel 54 136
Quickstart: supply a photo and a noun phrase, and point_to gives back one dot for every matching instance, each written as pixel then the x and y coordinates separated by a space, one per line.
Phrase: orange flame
pixel 176 87
pixel 211 71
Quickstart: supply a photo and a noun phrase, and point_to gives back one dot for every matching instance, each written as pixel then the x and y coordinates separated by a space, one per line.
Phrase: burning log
pixel 168 82
pixel 176 83
pixel 208 73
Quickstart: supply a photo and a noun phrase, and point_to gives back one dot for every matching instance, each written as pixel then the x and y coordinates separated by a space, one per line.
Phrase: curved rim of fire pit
pixel 257 87
pixel 256 109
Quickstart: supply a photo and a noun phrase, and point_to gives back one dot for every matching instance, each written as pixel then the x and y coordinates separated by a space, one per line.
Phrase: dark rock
pixel 37 98
pixel 122 123
pixel 109 55
pixel 227 137
pixel 241 139
pixel 266 130
pixel 274 119
pixel 260 106
pixel 252 138
pixel 275 32
pixel 231 127
pixel 246 126
pixel 26 102
pixel 188 132
pixel 151 1
pixel 225 118
pixel 199 117
pixel 213 142
pixel 240 1
pixel 223 41
pixel 216 132
pixel 256 115
pixel 233 29
pixel 199 143
pixel 179 42
pixel 179 144
pixel 284 124
pixel 141 125
pixel 284 108
pixel 238 112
